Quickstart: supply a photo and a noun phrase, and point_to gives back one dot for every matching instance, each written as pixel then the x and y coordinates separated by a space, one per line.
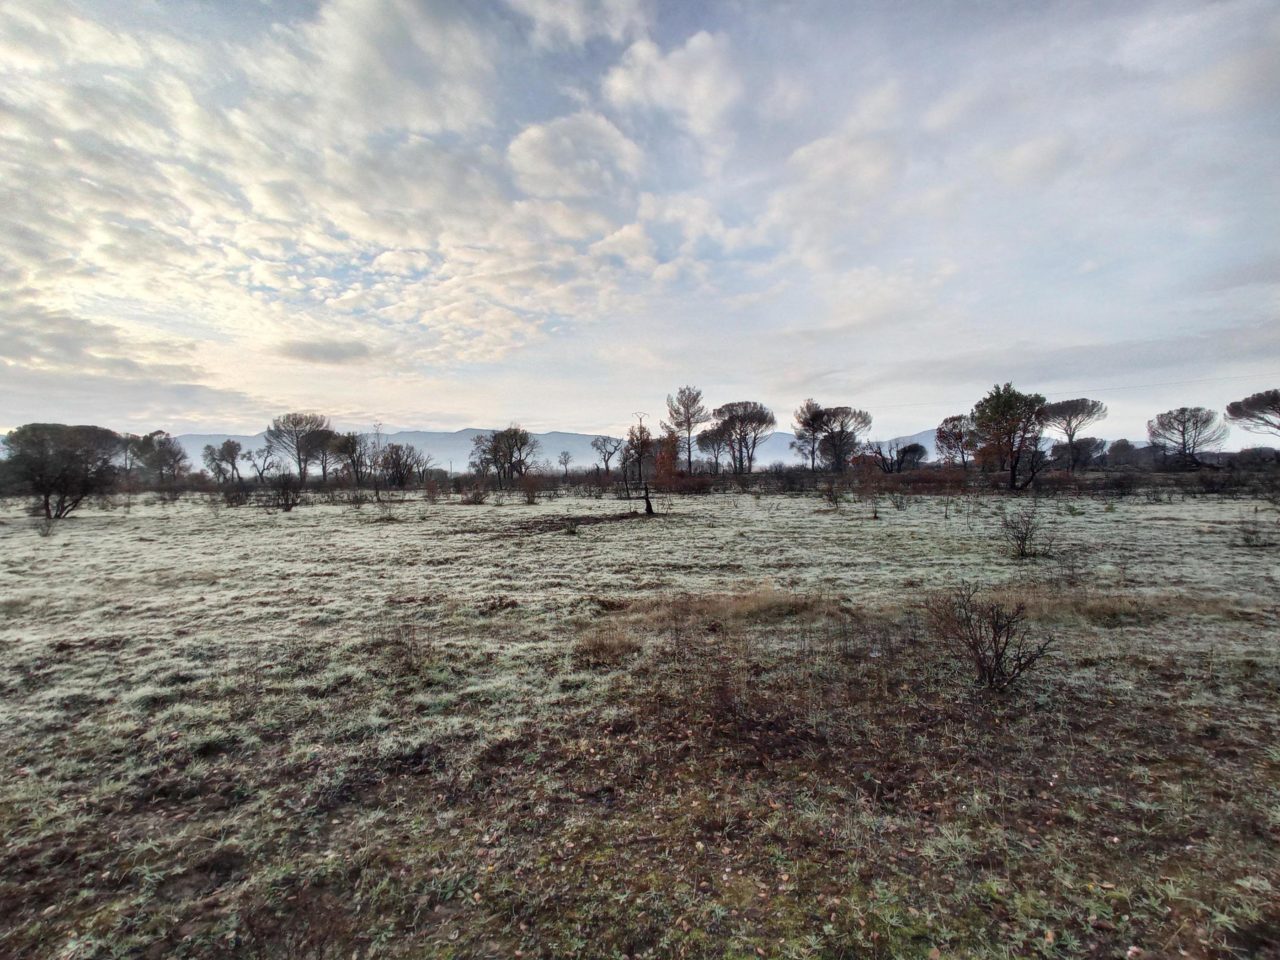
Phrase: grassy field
pixel 564 730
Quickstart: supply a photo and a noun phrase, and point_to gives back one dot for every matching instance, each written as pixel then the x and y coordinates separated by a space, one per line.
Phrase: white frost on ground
pixel 192 574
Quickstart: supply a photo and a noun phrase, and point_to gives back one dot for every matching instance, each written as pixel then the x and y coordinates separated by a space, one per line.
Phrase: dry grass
pixel 1052 603
pixel 721 734
pixel 605 645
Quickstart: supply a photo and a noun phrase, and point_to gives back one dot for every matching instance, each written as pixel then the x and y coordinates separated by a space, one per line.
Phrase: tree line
pixel 1003 434
pixel 303 444
pixel 63 465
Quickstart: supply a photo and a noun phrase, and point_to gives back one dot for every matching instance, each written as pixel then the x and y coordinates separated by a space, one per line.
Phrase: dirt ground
pixel 432 729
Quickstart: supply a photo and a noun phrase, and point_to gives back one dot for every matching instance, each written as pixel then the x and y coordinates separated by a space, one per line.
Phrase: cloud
pixel 1251 78
pixel 402 262
pixel 1261 272
pixel 1094 364
pixel 336 352
pixel 61 342
pixel 582 155
pixel 631 245
pixel 787 97
pixel 696 83
pixel 452 199
pixel 555 218
pixel 1036 161
pixel 359 67
pixel 954 106
pixel 28 395
pixel 829 185
pixel 573 22
pixel 169 210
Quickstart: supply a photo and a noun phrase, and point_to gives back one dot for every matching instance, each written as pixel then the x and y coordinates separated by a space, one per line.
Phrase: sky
pixel 440 215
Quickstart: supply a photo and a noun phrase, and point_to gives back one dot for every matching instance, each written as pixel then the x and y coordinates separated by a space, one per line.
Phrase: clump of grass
pixel 405 646
pixel 1073 566
pixel 475 497
pixel 764 604
pixel 606 645
pixel 1048 602
pixel 1253 534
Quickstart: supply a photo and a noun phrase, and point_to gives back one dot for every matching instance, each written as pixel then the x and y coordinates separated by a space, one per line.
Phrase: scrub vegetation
pixel 741 727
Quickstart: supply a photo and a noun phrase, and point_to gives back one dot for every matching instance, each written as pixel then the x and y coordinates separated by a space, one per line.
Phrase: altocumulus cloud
pixel 447 214
pixel 326 351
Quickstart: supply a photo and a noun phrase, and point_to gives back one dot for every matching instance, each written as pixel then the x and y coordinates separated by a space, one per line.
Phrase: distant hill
pixel 455 448
pixel 778 447
pixel 444 448
pixel 194 444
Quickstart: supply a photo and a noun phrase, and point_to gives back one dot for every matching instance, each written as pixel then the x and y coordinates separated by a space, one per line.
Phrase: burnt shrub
pixel 1026 532
pixel 993 638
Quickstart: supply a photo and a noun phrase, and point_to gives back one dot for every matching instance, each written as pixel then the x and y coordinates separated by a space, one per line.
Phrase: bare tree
pixel 895 457
pixel 713 442
pixel 508 453
pixel 1122 453
pixel 884 453
pixel 482 461
pixel 231 457
pixel 809 421
pixel 1186 432
pixel 517 448
pixel 324 451
pixel 639 450
pixel 262 461
pixel 1259 413
pixel 607 448
pixel 564 460
pixel 401 464
pixel 747 424
pixel 1080 453
pixel 1007 426
pixel 377 447
pixel 353 452
pixel 911 456
pixel 222 461
pixel 292 437
pixel 213 463
pixel 1070 417
pixel 163 457
pixel 954 439
pixel 686 413
pixel 840 429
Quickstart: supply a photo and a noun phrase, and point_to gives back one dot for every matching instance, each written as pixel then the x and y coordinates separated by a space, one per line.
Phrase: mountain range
pixel 451 451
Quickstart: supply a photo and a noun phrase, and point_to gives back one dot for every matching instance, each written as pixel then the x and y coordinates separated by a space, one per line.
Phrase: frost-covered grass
pixel 448 730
